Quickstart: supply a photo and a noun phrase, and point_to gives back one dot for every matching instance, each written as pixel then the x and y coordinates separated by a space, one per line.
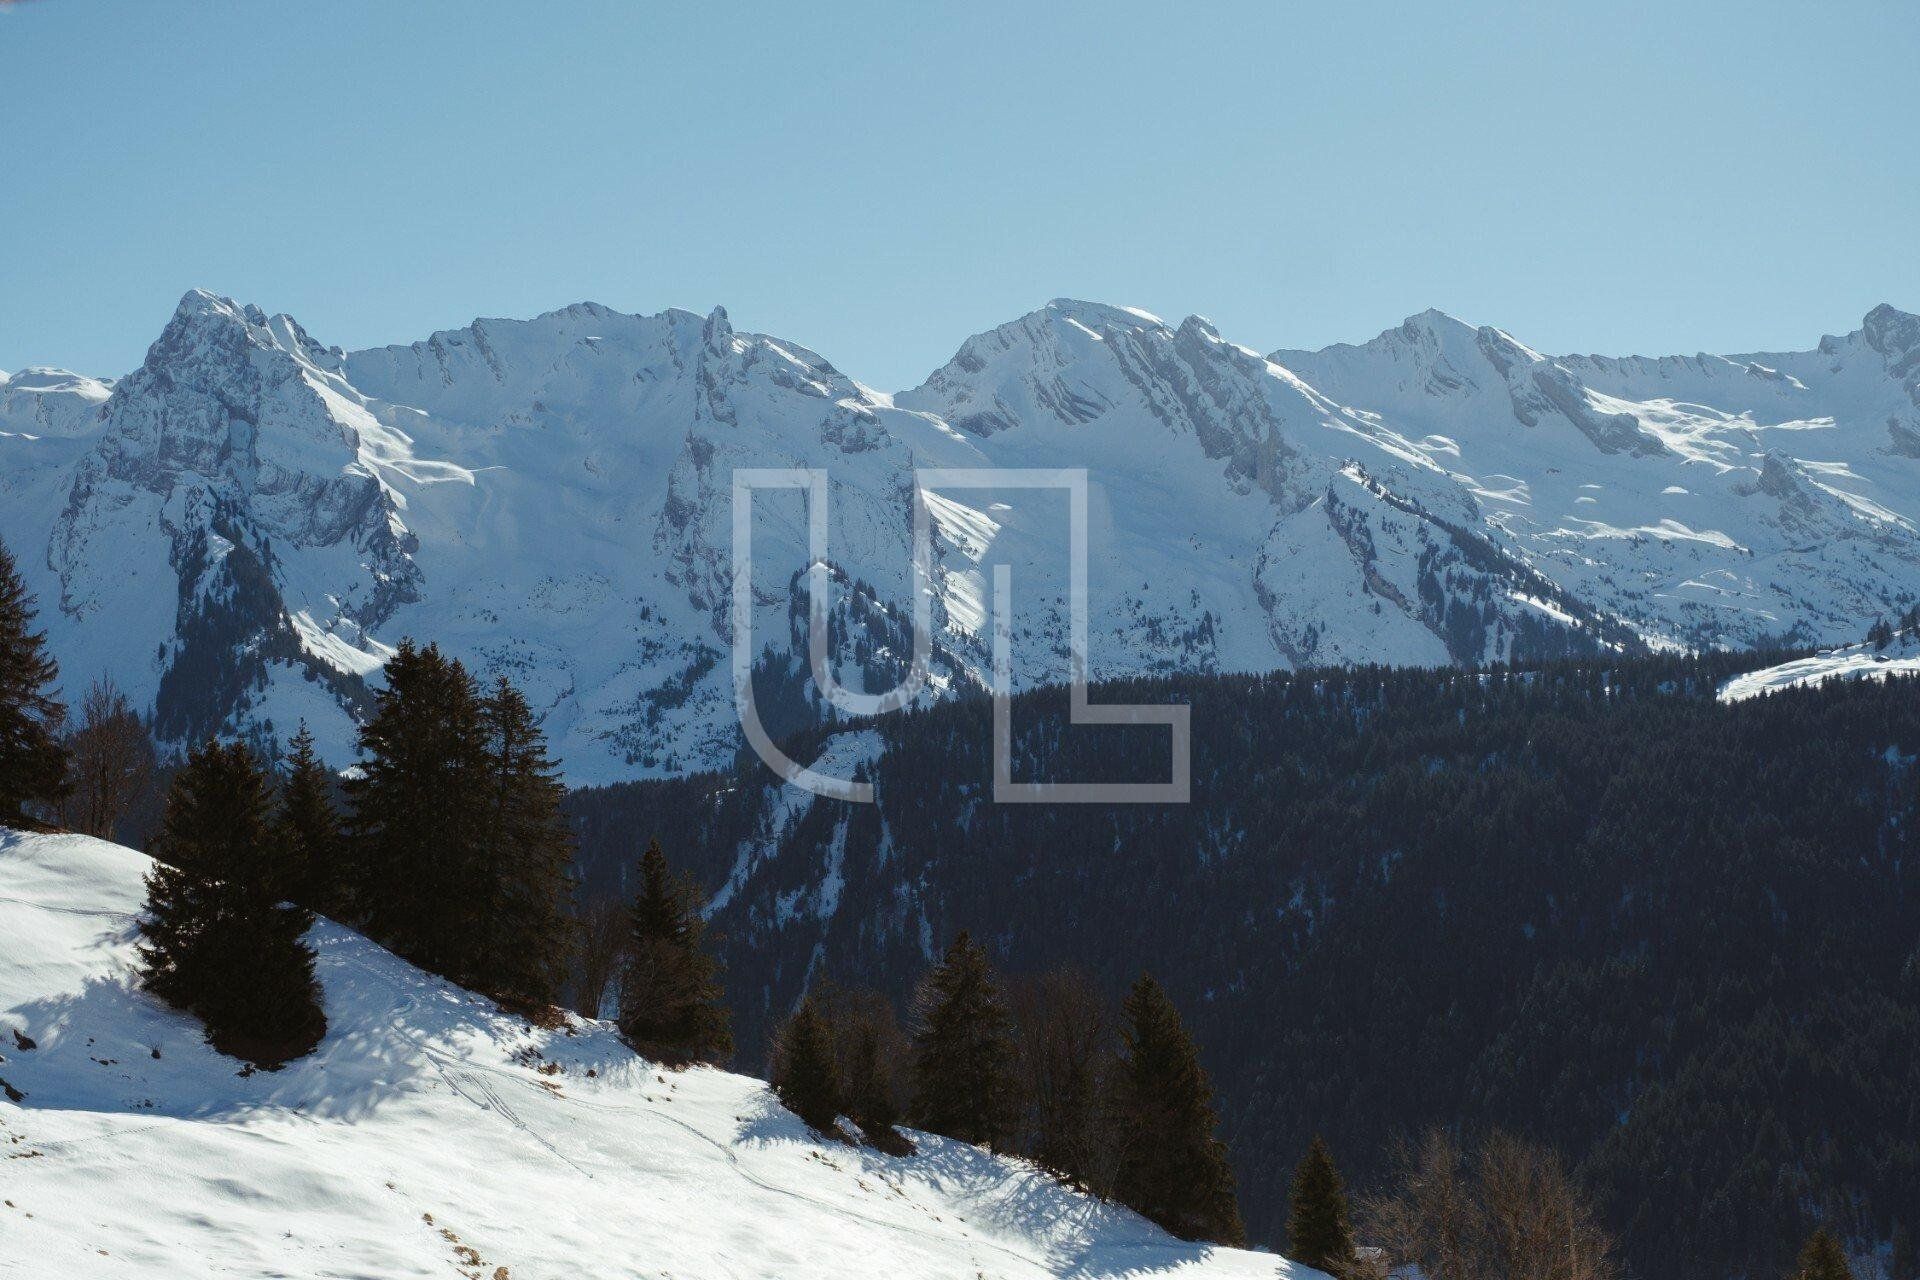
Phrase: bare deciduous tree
pixel 1510 1212
pixel 111 761
pixel 872 1052
pixel 1065 1034
pixel 602 941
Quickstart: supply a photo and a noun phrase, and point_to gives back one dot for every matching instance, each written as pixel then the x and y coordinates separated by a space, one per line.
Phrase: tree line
pixel 1118 1106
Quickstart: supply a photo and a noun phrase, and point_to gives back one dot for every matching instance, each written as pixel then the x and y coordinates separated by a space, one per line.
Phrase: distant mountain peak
pixel 1434 320
pixel 1890 331
pixel 1100 314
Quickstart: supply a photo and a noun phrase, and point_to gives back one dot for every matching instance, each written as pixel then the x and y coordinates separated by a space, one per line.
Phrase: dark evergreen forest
pixel 1676 940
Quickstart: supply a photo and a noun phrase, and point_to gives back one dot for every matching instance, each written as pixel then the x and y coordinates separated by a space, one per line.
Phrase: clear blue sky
pixel 879 180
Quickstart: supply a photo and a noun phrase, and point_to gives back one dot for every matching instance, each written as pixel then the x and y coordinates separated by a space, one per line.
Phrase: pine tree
pixel 33 763
pixel 218 940
pixel 1172 1168
pixel 1319 1222
pixel 806 1075
pixel 309 830
pixel 963 1062
pixel 419 809
pixel 1823 1259
pixel 671 1006
pixel 527 859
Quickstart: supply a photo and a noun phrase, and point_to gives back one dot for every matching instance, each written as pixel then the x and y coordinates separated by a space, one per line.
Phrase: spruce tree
pixel 963 1061
pixel 33 763
pixel 1319 1222
pixel 309 830
pixel 671 1006
pixel 806 1075
pixel 1823 1259
pixel 419 806
pixel 527 859
pixel 218 939
pixel 1172 1168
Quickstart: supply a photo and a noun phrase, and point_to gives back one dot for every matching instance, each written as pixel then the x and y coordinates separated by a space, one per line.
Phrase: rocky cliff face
pixel 240 530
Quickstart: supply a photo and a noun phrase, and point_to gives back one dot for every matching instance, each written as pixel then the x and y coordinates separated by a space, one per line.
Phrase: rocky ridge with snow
pixel 241 530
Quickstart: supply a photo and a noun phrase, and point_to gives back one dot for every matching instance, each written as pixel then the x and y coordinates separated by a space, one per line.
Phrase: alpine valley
pixel 241 530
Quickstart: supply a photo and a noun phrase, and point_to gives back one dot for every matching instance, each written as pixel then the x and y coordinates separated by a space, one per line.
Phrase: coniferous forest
pixel 1675 941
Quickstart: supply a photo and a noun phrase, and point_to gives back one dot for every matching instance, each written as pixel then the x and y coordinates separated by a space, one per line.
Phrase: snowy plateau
pixel 432 1135
pixel 241 530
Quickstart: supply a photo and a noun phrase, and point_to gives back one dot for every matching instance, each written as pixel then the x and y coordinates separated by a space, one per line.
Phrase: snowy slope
pixel 431 1135
pixel 241 530
pixel 1852 662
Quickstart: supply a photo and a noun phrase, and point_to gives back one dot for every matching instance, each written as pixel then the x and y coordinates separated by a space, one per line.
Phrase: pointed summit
pixel 1434 320
pixel 1890 331
pixel 201 302
pixel 205 325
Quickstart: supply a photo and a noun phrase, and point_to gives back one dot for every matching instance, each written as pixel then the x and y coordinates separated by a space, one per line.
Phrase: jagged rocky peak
pixel 717 332
pixel 240 411
pixel 207 325
pixel 1894 334
pixel 225 391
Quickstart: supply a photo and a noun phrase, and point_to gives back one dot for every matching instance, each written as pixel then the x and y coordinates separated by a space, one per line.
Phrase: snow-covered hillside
pixel 241 530
pixel 1899 657
pixel 431 1135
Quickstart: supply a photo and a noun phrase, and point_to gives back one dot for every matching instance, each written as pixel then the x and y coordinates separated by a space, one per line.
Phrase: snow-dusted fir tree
pixel 218 938
pixel 309 830
pixel 671 1007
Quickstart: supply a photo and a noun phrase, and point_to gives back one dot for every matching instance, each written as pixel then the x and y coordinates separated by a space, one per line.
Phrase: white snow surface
pixel 551 499
pixel 1853 662
pixel 431 1135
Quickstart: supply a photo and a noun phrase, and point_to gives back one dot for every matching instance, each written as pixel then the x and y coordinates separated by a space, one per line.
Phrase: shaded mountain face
pixel 240 530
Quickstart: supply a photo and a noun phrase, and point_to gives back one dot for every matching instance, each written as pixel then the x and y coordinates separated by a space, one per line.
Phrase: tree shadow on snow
pixel 1080 1236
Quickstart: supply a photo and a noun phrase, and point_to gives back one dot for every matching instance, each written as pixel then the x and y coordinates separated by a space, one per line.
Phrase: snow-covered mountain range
pixel 240 530
pixel 431 1134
